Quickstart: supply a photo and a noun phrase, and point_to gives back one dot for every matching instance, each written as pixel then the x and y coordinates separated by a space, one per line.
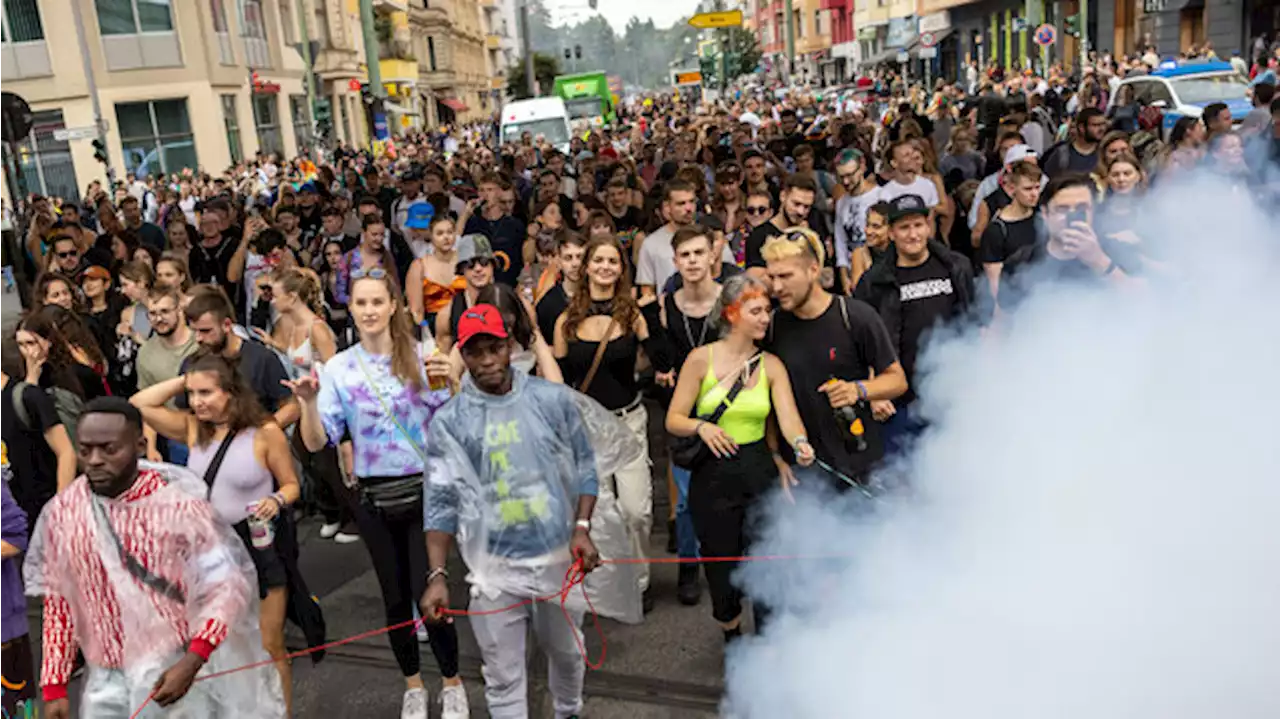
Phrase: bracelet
pixel 437 572
pixel 799 441
pixel 862 389
pixel 1110 268
pixel 278 498
pixel 583 524
pixel 698 427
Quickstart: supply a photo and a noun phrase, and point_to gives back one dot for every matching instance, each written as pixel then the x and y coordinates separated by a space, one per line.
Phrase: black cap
pixel 906 206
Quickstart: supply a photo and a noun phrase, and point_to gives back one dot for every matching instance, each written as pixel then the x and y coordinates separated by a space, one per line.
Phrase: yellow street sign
pixel 727 18
pixel 688 78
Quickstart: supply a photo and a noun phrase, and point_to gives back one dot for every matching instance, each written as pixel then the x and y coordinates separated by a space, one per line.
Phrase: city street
pixel 669 666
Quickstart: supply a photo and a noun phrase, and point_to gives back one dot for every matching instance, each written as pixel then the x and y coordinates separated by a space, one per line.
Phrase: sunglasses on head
pixel 377 273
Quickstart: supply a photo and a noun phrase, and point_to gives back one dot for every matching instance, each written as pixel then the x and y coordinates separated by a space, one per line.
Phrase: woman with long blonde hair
pixel 378 390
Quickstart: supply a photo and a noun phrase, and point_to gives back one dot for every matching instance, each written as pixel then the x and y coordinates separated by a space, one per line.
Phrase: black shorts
pixel 267 561
pixel 19 677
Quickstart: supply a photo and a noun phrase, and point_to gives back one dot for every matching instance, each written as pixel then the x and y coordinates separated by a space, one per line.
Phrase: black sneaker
pixel 688 590
pixel 646 601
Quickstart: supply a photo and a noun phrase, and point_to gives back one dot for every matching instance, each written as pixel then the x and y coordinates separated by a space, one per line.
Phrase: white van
pixel 546 116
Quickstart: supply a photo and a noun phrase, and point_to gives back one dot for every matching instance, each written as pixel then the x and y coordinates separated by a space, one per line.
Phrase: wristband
pixel 1110 268
pixel 799 441
pixel 862 389
pixel 583 524
pixel 437 572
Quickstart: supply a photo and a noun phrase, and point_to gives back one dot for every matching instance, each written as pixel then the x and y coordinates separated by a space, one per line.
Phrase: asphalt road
pixel 669 666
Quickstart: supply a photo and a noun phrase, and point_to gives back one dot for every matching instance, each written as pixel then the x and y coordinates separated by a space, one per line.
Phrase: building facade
pixel 455 81
pixel 339 66
pixel 501 43
pixel 811 25
pixel 175 83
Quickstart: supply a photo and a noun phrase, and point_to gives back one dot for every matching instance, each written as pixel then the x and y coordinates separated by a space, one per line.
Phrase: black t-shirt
pixel 927 298
pixel 507 235
pixel 997 201
pixel 261 369
pixel 33 464
pixel 676 281
pixel 549 309
pixel 685 333
pixel 1004 237
pixel 819 349
pixel 211 264
pixel 149 234
pixel 630 221
pixel 756 240
pixel 1035 265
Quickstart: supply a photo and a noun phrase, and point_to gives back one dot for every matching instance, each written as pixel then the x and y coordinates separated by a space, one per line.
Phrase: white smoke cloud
pixel 1094 526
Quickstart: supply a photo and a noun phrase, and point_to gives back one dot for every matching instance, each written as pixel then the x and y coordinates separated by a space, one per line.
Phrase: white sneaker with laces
pixel 414 705
pixel 453 703
pixel 328 530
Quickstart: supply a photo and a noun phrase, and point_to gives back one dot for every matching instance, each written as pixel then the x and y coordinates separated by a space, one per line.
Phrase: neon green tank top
pixel 744 420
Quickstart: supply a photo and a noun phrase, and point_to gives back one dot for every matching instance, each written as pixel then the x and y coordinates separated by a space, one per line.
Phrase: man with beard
pixel 162 356
pixel 210 259
pixel 831 345
pixel 383 195
pixel 212 320
pixel 628 219
pixel 1078 155
pixel 435 182
pixel 797 200
pixel 755 177
pixel 295 239
pixel 656 260
pixel 530 465
pixel 919 285
pixel 136 572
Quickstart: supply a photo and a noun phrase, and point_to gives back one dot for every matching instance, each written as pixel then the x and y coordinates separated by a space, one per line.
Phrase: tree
pixel 545 69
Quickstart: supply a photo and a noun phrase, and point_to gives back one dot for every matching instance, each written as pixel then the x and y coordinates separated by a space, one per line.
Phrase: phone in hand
pixel 1077 215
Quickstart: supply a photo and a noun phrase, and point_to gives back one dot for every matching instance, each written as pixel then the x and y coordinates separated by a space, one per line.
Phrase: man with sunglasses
pixel 65 256
pixel 1070 251
pixel 860 192
pixel 477 265
pixel 507 235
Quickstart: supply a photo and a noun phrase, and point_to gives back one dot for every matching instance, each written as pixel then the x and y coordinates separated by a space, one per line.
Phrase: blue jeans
pixel 686 538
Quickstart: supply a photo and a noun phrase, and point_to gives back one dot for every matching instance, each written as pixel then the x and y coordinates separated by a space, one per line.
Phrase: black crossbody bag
pixel 691 452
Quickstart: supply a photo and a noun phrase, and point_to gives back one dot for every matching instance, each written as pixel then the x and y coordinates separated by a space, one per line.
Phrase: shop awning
pixel 454 104
pixel 882 56
pixel 938 38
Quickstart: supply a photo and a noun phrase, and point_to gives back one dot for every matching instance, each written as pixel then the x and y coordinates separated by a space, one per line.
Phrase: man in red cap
pixel 511 470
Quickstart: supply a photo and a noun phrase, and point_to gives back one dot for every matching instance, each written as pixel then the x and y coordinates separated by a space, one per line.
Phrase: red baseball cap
pixel 480 320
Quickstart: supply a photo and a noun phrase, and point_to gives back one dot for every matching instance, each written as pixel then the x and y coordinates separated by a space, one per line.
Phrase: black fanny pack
pixel 397 498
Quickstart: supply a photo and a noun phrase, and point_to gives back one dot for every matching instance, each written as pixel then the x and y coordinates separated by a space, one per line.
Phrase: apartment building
pixel 453 66
pixel 181 84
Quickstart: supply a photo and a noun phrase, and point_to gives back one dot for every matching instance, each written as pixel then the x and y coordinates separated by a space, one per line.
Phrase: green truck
pixel 587 97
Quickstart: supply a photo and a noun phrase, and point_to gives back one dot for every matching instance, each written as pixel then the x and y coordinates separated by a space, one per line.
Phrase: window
pixel 288 26
pixel 46 162
pixel 797 22
pixel 267 121
pixel 301 120
pixel 254 32
pixel 131 17
pixel 219 13
pixel 156 136
pixel 22 21
pixel 232 122
pixel 431 53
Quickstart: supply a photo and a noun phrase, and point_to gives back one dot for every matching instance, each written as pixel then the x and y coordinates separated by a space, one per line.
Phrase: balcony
pixel 398 70
pixel 438 78
pixel 493 41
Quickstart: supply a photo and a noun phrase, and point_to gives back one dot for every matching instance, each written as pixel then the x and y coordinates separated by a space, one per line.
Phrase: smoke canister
pixel 261 532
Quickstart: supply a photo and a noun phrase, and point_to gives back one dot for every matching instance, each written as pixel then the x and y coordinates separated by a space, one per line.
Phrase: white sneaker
pixel 345 538
pixel 328 530
pixel 423 637
pixel 414 705
pixel 453 703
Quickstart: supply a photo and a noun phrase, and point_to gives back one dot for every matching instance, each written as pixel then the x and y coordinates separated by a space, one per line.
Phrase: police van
pixel 1185 88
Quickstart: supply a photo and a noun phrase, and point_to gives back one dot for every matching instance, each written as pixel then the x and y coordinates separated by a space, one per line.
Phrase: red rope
pixel 574 576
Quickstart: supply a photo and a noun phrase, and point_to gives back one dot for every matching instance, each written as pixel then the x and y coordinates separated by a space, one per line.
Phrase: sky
pixel 618 12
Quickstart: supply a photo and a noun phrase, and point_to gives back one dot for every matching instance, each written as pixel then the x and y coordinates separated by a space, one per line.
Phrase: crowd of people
pixel 399 345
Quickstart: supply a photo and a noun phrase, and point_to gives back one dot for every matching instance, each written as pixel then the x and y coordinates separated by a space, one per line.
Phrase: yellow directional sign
pixel 688 78
pixel 728 18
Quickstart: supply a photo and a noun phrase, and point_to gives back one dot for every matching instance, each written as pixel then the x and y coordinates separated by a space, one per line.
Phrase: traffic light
pixel 324 117
pixel 100 150
pixel 366 93
pixel 1071 25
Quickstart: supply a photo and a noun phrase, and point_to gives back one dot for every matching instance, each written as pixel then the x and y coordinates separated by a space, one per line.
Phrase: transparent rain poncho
pixel 218 581
pixel 535 449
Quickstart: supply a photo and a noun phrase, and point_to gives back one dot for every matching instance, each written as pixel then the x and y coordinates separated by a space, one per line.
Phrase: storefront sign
pixel 902 32
pixel 867 34
pixel 935 22
pixel 1150 7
